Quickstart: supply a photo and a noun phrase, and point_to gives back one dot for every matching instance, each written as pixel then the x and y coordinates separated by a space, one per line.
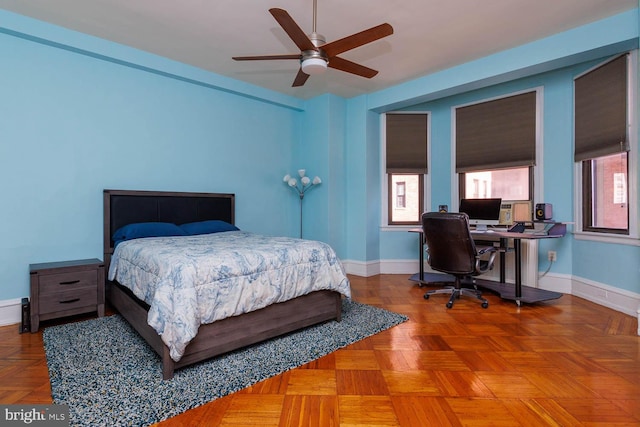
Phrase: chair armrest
pixel 484 265
pixel 481 250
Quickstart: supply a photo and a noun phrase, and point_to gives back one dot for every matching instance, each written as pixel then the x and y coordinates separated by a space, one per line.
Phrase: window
pixel 401 188
pixel 496 148
pixel 601 147
pixel 507 184
pixel 605 196
pixel 406 191
pixel 406 166
pixel 620 185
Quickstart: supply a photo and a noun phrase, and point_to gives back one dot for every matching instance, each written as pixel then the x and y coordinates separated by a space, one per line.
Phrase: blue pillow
pixel 147 229
pixel 207 227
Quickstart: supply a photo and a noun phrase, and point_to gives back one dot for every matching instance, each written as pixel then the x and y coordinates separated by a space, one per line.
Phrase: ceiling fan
pixel 315 54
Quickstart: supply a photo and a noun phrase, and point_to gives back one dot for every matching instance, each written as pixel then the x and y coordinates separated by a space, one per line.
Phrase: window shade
pixel 496 134
pixel 406 142
pixel 601 111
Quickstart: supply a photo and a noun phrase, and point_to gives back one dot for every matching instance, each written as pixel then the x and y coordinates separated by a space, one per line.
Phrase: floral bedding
pixel 194 280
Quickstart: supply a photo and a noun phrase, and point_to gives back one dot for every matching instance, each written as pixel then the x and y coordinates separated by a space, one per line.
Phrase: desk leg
pixel 503 257
pixel 421 249
pixel 518 267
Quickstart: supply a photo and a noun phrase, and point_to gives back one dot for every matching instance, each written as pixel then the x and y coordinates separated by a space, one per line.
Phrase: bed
pixel 214 336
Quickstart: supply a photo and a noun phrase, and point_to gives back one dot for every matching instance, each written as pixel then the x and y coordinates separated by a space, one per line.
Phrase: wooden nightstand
pixel 60 289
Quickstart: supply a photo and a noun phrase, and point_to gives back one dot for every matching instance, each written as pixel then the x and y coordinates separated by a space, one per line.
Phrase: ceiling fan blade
pixel 358 39
pixel 292 29
pixel 261 57
pixel 351 67
pixel 301 78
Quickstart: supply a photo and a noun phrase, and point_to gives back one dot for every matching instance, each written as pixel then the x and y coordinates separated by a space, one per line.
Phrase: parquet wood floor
pixel 566 362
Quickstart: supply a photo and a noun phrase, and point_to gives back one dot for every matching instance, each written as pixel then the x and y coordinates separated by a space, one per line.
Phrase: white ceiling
pixel 429 35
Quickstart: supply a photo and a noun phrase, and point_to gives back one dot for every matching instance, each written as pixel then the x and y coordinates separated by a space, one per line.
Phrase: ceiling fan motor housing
pixel 314 61
pixel 317 39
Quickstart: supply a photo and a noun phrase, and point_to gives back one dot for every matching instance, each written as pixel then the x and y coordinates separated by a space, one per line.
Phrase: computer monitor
pixel 481 212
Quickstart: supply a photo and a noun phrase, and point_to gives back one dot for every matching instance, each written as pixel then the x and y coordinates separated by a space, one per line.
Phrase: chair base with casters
pixel 451 250
pixel 456 291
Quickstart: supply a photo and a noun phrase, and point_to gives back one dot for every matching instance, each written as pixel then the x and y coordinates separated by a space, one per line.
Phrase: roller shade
pixel 406 143
pixel 601 111
pixel 496 134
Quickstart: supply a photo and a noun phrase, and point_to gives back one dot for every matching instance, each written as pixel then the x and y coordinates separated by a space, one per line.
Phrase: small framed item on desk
pixel 66 288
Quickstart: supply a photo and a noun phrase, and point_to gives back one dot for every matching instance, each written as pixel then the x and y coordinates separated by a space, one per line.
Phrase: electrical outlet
pixel 552 256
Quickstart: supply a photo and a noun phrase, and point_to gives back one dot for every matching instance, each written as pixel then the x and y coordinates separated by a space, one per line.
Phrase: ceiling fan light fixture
pixel 313 66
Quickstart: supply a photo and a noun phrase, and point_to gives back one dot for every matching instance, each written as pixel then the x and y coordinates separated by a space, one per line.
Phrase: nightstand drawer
pixel 51 284
pixel 75 298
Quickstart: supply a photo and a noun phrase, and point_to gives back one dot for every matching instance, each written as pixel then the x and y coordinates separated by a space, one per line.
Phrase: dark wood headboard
pixel 122 207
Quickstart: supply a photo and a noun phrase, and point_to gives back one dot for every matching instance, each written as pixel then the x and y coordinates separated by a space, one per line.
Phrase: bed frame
pixel 122 207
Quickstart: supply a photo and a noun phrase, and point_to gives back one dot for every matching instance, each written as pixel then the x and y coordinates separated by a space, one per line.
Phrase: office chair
pixel 451 249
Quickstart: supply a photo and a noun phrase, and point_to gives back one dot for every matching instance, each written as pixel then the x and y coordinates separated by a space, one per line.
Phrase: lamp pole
pixel 301 197
pixel 301 187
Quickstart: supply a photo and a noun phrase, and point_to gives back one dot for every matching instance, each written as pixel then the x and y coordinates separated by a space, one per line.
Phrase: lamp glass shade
pixel 312 66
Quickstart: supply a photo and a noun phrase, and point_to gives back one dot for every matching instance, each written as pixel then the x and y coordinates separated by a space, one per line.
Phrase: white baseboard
pixel 371 268
pixel 626 302
pixel 10 311
pixel 556 282
pixel 360 268
pixel 614 298
pixel 399 266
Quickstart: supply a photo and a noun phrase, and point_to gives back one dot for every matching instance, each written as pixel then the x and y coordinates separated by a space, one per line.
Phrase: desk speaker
pixel 544 211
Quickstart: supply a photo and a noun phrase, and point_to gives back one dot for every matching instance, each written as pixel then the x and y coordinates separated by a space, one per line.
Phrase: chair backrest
pixel 450 245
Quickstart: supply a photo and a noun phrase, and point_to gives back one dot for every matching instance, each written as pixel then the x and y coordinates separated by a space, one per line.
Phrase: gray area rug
pixel 109 376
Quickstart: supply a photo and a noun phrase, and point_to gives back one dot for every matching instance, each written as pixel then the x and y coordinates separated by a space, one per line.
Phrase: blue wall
pixel 80 114
pixel 73 123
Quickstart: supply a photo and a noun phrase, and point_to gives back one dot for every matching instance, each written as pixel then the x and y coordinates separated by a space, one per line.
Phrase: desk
pixel 520 293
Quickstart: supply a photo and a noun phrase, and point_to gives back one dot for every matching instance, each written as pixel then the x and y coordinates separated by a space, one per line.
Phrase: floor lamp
pixel 301 187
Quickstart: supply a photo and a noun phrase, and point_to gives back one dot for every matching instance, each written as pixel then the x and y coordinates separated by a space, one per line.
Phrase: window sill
pixel 399 227
pixel 607 238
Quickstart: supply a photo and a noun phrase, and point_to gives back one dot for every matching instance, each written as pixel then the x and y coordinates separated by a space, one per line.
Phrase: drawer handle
pixel 69 301
pixel 71 282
